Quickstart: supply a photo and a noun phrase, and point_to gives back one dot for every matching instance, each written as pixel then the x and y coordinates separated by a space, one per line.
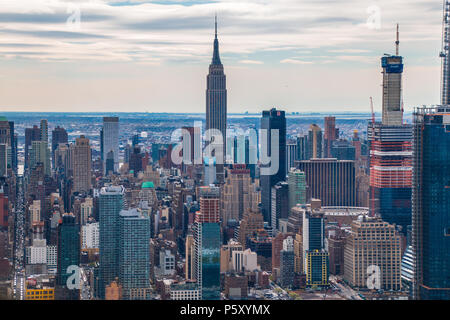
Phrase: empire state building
pixel 216 103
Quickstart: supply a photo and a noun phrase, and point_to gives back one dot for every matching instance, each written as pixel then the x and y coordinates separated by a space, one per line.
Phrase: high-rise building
pixel 14 146
pixel 192 145
pixel 431 203
pixel 314 142
pixel 216 104
pixel 391 151
pixel 190 258
pixel 302 148
pixel 31 134
pixel 40 153
pixel 8 149
pixel 86 210
pixel 3 160
pixel 135 161
pixel 82 162
pixel 291 155
pixel 44 130
pixel 297 187
pixel 134 251
pixel 207 238
pixel 68 253
pixel 330 136
pixel 287 258
pixel 392 89
pixel 59 135
pixel 373 248
pixel 210 171
pixel 35 211
pixel 330 180
pixel 4 209
pixel 313 245
pixel 110 142
pixel 273 120
pixel 239 193
pixel 90 236
pixel 280 204
pixel 250 224
pixel 111 202
pixel 343 150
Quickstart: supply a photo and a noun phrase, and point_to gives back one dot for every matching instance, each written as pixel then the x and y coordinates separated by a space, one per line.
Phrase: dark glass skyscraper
pixel 431 203
pixel 216 102
pixel 273 120
pixel 68 257
pixel 68 247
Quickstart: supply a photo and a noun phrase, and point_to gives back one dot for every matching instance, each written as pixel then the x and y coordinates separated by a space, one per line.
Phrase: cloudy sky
pixel 138 55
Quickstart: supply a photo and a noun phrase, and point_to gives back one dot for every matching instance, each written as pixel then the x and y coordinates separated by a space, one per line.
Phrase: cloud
pixel 251 62
pixel 176 35
pixel 295 61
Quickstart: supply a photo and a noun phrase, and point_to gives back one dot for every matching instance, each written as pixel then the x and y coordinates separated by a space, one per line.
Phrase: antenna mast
pixel 397 42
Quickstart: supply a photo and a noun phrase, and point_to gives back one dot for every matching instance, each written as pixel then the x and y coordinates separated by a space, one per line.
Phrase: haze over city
pixel 152 56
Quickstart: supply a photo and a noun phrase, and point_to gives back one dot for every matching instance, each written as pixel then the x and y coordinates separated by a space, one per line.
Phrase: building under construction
pixel 391 150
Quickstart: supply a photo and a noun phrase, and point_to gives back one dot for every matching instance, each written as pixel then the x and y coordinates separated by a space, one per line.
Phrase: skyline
pixel 129 55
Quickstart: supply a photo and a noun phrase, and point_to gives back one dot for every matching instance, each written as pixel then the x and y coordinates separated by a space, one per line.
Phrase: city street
pixel 19 245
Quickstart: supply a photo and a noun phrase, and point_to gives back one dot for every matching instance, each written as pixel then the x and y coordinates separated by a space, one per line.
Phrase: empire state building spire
pixel 216 104
pixel 216 56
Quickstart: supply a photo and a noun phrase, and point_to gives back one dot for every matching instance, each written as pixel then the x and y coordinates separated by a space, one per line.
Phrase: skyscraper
pixel 59 135
pixel 40 153
pixel 287 258
pixel 44 130
pixel 330 180
pixel 68 253
pixel 373 243
pixel 110 141
pixel 297 187
pixel 216 103
pixel 6 149
pixel 110 204
pixel 31 134
pixel 239 194
pixel 291 155
pixel 207 238
pixel 391 151
pixel 329 135
pixel 315 142
pixel 134 252
pixel 3 160
pixel 82 165
pixel 273 120
pixel 314 253
pixel 280 204
pixel 431 203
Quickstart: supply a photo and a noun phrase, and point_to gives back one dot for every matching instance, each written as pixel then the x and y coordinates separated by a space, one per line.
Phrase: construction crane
pixel 445 53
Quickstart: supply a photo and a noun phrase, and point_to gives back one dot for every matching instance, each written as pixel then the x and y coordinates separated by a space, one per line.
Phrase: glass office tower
pixel 431 203
pixel 207 237
pixel 110 205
